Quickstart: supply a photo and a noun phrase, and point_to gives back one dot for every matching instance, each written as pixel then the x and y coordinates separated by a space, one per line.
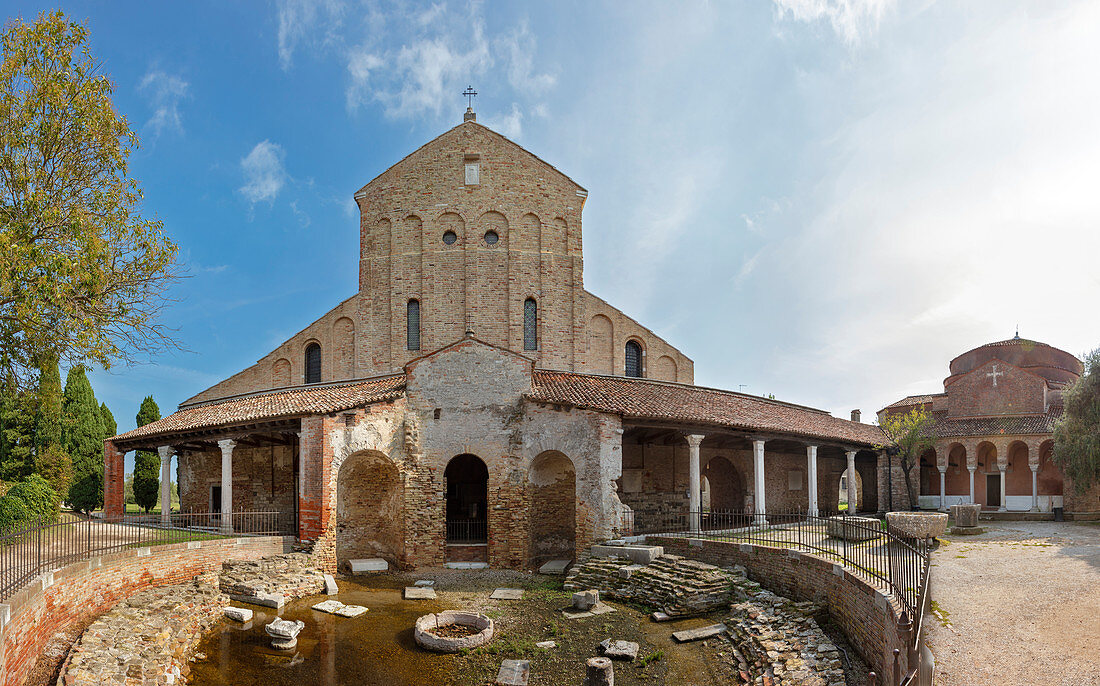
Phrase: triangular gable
pixel 412 157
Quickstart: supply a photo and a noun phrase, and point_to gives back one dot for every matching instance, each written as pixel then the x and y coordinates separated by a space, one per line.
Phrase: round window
pixel 491 237
pixel 449 237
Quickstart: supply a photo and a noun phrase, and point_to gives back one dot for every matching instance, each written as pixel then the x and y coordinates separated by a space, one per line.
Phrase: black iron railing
pixel 467 531
pixel 33 548
pixel 865 546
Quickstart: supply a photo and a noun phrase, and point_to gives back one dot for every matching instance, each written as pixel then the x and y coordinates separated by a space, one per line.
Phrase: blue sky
pixel 821 199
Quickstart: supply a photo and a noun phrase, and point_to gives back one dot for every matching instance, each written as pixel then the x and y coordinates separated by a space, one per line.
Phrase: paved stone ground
pixel 1018 605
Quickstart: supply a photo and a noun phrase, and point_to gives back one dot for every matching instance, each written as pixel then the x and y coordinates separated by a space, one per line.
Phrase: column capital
pixel 811 449
pixel 166 452
pixel 227 444
pixel 1002 466
pixel 971 468
pixel 942 468
pixel 694 439
pixel 1034 467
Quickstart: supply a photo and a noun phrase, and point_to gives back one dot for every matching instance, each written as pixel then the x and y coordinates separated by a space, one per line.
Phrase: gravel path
pixel 1018 605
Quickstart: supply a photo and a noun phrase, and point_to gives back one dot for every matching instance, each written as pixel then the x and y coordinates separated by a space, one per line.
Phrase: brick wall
pixel 866 616
pixel 83 590
pixel 263 478
pixel 470 284
pixel 1016 392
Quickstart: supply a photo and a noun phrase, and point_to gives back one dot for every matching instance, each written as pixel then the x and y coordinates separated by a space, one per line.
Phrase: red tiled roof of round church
pixel 290 402
pixel 645 399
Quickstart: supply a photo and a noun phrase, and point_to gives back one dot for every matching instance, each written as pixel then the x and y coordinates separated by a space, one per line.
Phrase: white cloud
pixel 164 92
pixel 853 20
pixel 264 172
pixel 311 21
pixel 421 75
pixel 509 125
pixel 519 51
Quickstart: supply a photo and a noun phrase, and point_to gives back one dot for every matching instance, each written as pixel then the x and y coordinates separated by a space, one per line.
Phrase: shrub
pixel 41 501
pixel 12 513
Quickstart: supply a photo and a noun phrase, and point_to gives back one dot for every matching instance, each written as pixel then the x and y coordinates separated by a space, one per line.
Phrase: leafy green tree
pixel 1077 433
pixel 82 272
pixel 42 502
pixel 12 513
pixel 147 462
pixel 54 465
pixel 910 434
pixel 17 420
pixel 83 441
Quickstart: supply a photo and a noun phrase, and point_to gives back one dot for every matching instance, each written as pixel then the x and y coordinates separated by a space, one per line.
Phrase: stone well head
pixel 966 515
pixel 443 644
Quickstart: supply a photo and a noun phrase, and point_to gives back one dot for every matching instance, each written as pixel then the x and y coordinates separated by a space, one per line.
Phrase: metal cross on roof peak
pixel 470 93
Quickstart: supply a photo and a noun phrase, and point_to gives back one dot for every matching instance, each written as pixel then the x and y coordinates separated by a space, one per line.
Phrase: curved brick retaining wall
pixel 75 594
pixel 863 612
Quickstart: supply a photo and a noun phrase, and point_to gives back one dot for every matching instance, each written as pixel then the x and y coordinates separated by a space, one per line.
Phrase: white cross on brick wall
pixel 995 374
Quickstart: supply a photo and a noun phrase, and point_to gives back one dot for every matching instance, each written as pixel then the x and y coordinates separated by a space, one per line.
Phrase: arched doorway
pixel 1050 479
pixel 552 519
pixel 988 485
pixel 370 509
pixel 850 498
pixel 467 501
pixel 1018 478
pixel 727 487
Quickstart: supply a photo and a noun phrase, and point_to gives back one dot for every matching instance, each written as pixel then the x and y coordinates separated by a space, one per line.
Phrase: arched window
pixel 313 363
pixel 412 325
pixel 530 324
pixel 633 359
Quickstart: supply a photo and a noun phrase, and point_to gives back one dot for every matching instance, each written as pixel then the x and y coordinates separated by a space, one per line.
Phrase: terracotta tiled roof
pixel 295 402
pixel 995 426
pixel 915 400
pixel 654 400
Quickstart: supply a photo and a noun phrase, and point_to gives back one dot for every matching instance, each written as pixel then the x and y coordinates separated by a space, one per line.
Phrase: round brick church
pixel 472 403
pixel 993 431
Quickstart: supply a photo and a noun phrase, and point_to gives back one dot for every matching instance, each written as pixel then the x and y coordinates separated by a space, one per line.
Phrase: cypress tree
pixel 48 422
pixel 147 462
pixel 110 426
pixel 83 431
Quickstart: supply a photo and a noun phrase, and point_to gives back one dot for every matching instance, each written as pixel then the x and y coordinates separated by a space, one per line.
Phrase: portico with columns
pixel 710 477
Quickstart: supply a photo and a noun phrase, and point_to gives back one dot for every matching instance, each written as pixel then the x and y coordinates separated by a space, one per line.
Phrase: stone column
pixel 1004 496
pixel 943 487
pixel 852 481
pixel 758 481
pixel 971 470
pixel 695 501
pixel 1034 487
pixel 227 484
pixel 165 484
pixel 811 478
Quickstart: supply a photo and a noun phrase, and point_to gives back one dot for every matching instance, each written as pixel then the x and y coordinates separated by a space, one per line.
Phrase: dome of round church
pixel 1049 362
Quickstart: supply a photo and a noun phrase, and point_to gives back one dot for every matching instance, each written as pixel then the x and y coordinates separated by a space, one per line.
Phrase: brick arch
pixel 449 221
pixel 280 373
pixel 928 463
pixel 601 345
pixel 407 239
pixel 552 519
pixel 665 369
pixel 555 237
pixel 525 236
pixel 379 240
pixel 370 509
pixel 1050 477
pixel 343 348
pixel 492 221
pixel 302 354
pixel 1018 476
pixel 643 367
pixel 727 485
